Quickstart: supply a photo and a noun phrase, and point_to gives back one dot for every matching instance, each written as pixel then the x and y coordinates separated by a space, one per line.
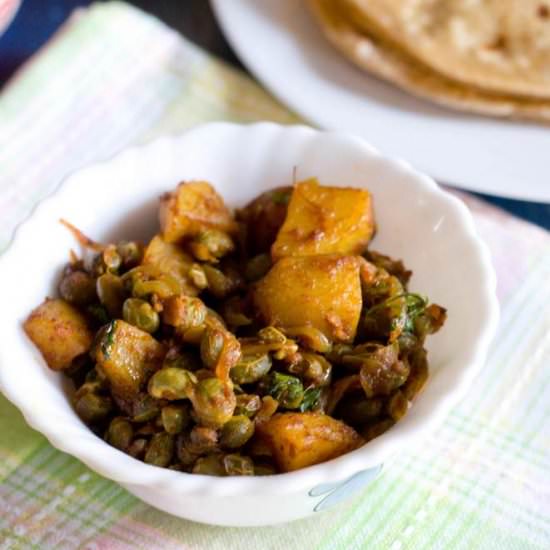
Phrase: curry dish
pixel 248 343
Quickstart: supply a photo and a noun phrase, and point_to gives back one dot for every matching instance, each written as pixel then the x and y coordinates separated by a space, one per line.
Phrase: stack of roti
pixel 485 56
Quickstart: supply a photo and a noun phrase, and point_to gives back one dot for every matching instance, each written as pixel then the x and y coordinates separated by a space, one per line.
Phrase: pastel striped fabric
pixel 114 76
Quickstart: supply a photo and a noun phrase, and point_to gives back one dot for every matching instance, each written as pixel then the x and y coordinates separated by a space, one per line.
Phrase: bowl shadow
pixel 139 223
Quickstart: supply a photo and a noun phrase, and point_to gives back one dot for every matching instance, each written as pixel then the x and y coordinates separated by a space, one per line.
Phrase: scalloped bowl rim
pixel 80 442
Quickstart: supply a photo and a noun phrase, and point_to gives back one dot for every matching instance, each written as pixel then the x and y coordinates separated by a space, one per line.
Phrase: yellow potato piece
pixel 127 356
pixel 193 207
pixel 171 260
pixel 319 291
pixel 325 220
pixel 59 331
pixel 297 440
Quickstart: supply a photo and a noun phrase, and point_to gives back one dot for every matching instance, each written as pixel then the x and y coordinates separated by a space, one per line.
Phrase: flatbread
pixel 383 59
pixel 497 45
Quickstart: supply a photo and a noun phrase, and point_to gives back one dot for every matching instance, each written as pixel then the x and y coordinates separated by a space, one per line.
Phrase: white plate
pixel 281 45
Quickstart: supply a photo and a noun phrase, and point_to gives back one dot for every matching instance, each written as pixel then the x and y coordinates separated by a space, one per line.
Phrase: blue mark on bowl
pixel 337 492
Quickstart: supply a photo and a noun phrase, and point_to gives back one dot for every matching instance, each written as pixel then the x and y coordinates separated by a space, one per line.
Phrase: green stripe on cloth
pixel 53 498
pixel 479 481
pixel 14 428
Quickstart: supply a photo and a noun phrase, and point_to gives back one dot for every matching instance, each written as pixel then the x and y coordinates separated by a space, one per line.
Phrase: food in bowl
pixel 248 343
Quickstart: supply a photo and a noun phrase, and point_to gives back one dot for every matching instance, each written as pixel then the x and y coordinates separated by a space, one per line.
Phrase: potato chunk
pixel 193 207
pixel 171 260
pixel 325 220
pixel 59 331
pixel 127 356
pixel 298 440
pixel 319 291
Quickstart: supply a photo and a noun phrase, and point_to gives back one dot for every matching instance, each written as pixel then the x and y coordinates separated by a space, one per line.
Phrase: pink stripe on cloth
pixel 8 9
pixel 514 244
pixel 128 533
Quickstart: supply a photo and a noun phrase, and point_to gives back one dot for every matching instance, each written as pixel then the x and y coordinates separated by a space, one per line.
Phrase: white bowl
pixel 431 230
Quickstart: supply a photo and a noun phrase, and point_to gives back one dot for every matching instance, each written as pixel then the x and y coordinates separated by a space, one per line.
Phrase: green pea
pixel 248 404
pixel 196 313
pixel 381 371
pixel 250 368
pixel 210 465
pixel 175 418
pixel 212 343
pixel 407 342
pixel 233 313
pixel 140 314
pixel 271 335
pixel 257 267
pixel 93 408
pixel 202 440
pixel 130 252
pixel 311 338
pixel 184 312
pixel 215 318
pixel 237 465
pixel 213 402
pixel 429 321
pixel 210 245
pixel 111 293
pixel 220 284
pixel 264 469
pixel 161 450
pixel 98 313
pixel 107 261
pixel 376 381
pixel 193 335
pixel 197 276
pixel 91 386
pixel 138 447
pixel 77 287
pixel 185 456
pixel 111 258
pixel 418 375
pixel 142 286
pixel 357 410
pixel 397 405
pixel 315 369
pixel 144 408
pixel 338 351
pixel 79 368
pixel 171 383
pixel 275 343
pixel 236 432
pixel 183 360
pixel 148 429
pixel 120 433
